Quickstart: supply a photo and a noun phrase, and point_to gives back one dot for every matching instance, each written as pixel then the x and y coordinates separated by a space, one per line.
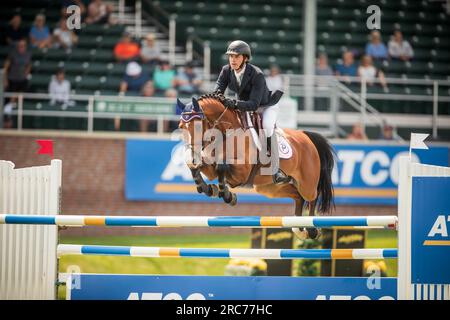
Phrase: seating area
pixel 341 26
pixel 272 28
pixel 89 66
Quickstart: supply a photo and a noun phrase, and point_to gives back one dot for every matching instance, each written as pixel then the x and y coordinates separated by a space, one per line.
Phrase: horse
pixel 310 166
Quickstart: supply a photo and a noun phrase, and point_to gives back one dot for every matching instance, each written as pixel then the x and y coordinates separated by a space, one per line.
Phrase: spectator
pixel 171 125
pixel 17 68
pixel 357 133
pixel 8 122
pixel 59 90
pixel 274 81
pixel 63 37
pixel 348 67
pixel 126 50
pixel 99 12
pixel 15 31
pixel 376 48
pixel 387 133
pixel 147 91
pixel 187 81
pixel 134 79
pixel 164 77
pixel 322 67
pixel 134 82
pixel 369 73
pixel 399 48
pixel 40 34
pixel 150 51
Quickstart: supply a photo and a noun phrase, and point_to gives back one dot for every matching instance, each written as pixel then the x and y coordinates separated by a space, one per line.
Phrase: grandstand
pixel 279 32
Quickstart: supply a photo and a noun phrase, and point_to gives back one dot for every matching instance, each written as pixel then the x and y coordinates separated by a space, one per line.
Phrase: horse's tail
pixel 325 187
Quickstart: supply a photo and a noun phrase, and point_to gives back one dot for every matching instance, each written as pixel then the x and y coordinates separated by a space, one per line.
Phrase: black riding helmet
pixel 239 47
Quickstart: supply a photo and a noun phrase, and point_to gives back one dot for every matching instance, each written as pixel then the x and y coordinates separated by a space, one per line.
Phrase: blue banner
pixel 365 174
pixel 145 287
pixel 430 220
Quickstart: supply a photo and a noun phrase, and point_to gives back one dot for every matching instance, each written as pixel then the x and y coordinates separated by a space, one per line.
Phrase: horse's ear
pixel 180 104
pixel 195 104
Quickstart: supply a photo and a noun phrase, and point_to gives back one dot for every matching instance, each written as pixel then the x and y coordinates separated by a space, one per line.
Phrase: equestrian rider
pixel 252 94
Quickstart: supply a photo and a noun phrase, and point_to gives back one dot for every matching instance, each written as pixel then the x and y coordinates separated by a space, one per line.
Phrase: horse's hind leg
pixel 301 232
pixel 305 232
pixel 313 232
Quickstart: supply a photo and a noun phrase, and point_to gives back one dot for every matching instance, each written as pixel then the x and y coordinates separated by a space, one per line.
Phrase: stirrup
pixel 280 177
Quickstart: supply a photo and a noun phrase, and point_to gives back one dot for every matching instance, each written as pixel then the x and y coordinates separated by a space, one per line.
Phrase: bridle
pixel 210 124
pixel 201 115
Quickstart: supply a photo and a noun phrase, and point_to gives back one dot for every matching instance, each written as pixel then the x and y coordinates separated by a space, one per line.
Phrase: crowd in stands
pixel 145 63
pixel 375 53
pixel 357 133
pixel 148 72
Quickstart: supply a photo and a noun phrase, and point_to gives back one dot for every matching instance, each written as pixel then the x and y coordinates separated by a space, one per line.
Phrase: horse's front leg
pixel 224 192
pixel 211 190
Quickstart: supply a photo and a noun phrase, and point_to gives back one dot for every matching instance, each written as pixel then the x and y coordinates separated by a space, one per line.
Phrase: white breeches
pixel 270 116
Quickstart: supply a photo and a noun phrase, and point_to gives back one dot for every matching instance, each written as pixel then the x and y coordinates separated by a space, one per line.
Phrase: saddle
pixel 256 117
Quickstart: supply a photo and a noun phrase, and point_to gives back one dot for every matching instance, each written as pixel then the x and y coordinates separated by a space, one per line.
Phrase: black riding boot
pixel 279 177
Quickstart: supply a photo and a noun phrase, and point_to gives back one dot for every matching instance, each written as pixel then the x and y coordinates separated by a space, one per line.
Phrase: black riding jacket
pixel 253 91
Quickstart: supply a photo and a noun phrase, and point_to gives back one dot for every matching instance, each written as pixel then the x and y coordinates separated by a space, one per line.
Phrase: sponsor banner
pixel 364 174
pixel 430 256
pixel 145 287
pixel 123 105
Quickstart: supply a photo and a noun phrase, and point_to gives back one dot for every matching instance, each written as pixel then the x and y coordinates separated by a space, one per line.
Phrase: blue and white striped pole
pixel 203 221
pixel 160 252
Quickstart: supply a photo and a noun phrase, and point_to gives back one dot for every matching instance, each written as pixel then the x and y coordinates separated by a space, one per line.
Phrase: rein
pixel 201 115
pixel 208 124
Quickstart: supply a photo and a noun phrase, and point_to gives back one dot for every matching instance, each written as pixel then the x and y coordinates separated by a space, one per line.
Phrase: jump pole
pixel 202 221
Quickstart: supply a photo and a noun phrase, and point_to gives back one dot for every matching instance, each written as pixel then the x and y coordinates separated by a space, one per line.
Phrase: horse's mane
pixel 215 97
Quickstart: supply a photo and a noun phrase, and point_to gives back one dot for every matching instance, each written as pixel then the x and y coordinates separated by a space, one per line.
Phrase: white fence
pixel 28 263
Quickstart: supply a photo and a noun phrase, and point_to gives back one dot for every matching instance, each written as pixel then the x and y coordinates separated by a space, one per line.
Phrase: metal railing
pixel 121 10
pixel 329 88
pixel 138 18
pixel 196 48
pixel 336 90
pixel 165 22
pixel 88 110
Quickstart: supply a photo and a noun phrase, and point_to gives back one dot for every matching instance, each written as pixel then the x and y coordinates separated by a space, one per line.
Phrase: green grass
pixel 384 239
pixel 180 266
pixel 183 266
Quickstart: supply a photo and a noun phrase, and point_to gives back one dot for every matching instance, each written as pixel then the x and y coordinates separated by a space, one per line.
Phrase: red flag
pixel 46 147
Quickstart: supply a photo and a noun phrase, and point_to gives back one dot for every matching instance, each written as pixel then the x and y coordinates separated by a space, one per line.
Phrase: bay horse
pixel 309 167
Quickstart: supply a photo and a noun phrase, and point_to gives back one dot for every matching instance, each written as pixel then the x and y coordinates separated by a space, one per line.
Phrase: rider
pixel 249 83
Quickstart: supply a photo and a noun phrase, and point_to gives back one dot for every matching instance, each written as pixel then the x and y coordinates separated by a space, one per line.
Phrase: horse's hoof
pixel 233 201
pixel 199 189
pixel 307 233
pixel 300 233
pixel 230 198
pixel 313 233
pixel 214 190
